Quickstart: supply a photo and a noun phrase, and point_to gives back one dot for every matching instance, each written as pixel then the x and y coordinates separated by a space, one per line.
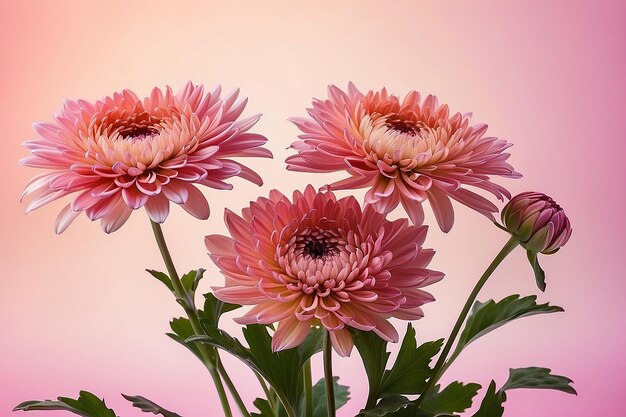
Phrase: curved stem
pixel 275 401
pixel 268 394
pixel 308 389
pixel 231 387
pixel 208 356
pixel 328 375
pixel 290 412
pixel 441 364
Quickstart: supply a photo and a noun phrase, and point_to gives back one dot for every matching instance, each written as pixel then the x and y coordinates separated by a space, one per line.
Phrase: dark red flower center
pixel 403 124
pixel 138 132
pixel 318 249
pixel 137 126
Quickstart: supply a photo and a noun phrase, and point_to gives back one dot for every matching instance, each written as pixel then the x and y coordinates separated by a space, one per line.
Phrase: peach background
pixel 78 312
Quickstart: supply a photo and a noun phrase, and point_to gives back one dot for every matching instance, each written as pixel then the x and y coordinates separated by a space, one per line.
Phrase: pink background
pixel 78 312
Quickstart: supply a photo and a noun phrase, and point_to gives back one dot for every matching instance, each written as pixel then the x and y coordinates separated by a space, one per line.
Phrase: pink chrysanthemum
pixel 123 153
pixel 407 151
pixel 316 260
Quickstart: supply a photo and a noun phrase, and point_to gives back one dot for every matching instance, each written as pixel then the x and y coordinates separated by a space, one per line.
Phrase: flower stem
pixel 328 375
pixel 231 387
pixel 268 394
pixel 308 389
pixel 209 356
pixel 441 364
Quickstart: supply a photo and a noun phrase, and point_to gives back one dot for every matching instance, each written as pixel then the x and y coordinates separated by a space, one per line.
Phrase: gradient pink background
pixel 78 312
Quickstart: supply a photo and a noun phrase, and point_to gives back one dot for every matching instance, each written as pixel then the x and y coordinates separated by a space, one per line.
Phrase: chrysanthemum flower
pixel 122 153
pixel 406 151
pixel 316 260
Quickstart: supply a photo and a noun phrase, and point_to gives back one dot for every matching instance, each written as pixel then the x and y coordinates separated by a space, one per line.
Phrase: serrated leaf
pixel 86 405
pixel 540 276
pixel 282 370
pixel 399 406
pixel 373 351
pixel 213 310
pixel 537 378
pixel 191 279
pixel 491 405
pixel 162 277
pixel 320 408
pixel 486 317
pixel 182 331
pixel 455 398
pixel 387 406
pixel 148 406
pixel 412 367
pixel 264 407
pixel 531 377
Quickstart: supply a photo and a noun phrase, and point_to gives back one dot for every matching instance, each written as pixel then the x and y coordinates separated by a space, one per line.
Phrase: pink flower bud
pixel 537 221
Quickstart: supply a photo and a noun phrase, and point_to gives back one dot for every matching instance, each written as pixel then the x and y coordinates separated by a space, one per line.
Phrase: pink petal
pixel 65 218
pixel 176 191
pixel 219 245
pixel 414 210
pixel 342 342
pixel 158 208
pixel 290 333
pixel 134 198
pixel 116 216
pixel 240 295
pixel 196 204
pixel 442 208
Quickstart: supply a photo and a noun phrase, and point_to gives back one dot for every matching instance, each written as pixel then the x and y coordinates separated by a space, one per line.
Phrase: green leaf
pixel 312 344
pixel 282 370
pixel 264 407
pixel 148 406
pixel 412 367
pixel 540 276
pixel 387 406
pixel 539 378
pixel 373 351
pixel 491 406
pixel 182 331
pixel 191 279
pixel 213 310
pixel 531 377
pixel 86 405
pixel 486 317
pixel 455 398
pixel 320 408
pixel 162 277
pixel 399 406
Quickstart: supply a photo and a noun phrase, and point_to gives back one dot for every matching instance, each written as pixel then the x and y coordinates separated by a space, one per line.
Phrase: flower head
pixel 122 153
pixel 316 260
pixel 406 151
pixel 537 221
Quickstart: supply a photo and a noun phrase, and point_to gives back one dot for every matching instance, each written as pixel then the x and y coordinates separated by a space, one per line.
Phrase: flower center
pixel 138 131
pixel 401 124
pixel 318 244
pixel 317 249
pixel 137 126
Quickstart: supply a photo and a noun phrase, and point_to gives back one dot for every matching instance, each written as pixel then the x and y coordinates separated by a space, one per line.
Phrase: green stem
pixel 308 389
pixel 208 356
pixel 441 364
pixel 290 412
pixel 231 387
pixel 268 394
pixel 328 375
pixel 276 401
